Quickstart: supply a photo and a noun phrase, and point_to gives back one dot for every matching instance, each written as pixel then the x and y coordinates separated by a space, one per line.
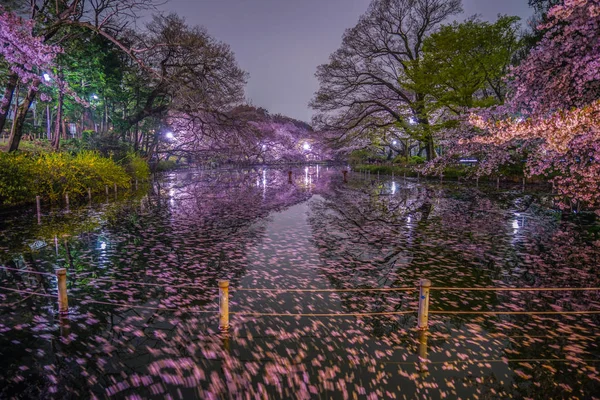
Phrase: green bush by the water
pixel 50 175
pixel 137 167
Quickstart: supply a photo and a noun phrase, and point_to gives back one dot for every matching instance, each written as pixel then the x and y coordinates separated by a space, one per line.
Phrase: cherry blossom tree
pixel 553 110
pixel 26 57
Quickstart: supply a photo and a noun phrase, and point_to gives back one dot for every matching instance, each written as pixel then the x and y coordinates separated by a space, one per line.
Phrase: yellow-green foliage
pixel 51 175
pixel 16 182
pixel 137 167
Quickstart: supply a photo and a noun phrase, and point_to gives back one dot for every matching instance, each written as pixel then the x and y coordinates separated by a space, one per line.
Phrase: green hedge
pixel 50 175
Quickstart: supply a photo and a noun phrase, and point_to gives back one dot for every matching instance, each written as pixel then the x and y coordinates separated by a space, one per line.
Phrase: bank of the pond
pixel 51 175
pixel 451 173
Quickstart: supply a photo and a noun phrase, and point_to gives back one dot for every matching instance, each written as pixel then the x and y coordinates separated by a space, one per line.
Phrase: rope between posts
pixel 28 292
pixel 515 312
pixel 398 289
pixel 83 301
pixel 252 314
pixel 182 286
pixel 500 360
pixel 507 289
pixel 27 271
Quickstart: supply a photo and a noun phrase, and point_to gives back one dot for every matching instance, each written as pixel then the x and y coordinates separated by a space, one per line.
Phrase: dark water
pixel 143 273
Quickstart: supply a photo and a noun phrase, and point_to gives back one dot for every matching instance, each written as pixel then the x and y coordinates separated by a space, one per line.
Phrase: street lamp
pixel 170 135
pixel 95 96
pixel 46 77
pixel 306 146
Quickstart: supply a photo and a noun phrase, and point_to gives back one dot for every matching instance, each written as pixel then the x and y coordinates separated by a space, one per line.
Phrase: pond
pixel 143 271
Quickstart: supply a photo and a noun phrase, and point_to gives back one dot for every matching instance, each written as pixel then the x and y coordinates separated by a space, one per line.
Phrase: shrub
pixel 137 167
pixel 51 175
pixel 165 165
pixel 16 183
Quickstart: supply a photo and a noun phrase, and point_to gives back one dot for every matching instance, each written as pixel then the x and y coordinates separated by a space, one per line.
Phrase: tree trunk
pixel 7 99
pixel 57 124
pixel 17 131
pixel 48 123
pixel 430 150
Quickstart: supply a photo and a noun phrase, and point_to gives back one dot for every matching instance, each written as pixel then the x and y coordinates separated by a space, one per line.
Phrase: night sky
pixel 281 42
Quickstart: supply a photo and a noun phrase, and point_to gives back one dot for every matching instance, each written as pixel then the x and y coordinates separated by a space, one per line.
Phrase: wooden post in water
pixel 136 184
pixel 106 188
pixel 345 176
pixel 39 209
pixel 290 177
pixel 423 353
pixel 115 190
pixel 67 200
pixel 523 184
pixel 423 317
pixel 498 182
pixel 477 181
pixel 224 305
pixel 63 302
pixel 90 194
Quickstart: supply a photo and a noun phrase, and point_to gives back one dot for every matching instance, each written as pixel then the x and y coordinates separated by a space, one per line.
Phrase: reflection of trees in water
pixel 463 238
pixel 200 231
pixel 185 232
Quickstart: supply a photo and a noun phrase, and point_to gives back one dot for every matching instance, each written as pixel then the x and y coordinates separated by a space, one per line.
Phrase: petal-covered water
pixel 143 272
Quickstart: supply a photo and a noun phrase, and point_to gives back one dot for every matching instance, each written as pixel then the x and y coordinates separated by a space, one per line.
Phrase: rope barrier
pixel 252 314
pixel 83 301
pixel 182 286
pixel 405 289
pixel 442 312
pixel 506 360
pixel 506 289
pixel 27 271
pixel 28 292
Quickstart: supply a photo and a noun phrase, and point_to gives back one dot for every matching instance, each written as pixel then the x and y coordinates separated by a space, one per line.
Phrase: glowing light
pixel 394 188
pixel 47 77
pixel 170 135
pixel 95 96
pixel 394 142
pixel 412 121
pixel 103 245
pixel 306 146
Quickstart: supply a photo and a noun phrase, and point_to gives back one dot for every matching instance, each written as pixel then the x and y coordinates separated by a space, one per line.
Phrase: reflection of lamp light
pixel 393 187
pixel 306 146
pixel 103 245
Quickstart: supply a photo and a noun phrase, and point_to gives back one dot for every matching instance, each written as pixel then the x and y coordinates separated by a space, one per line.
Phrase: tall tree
pixel 362 87
pixel 464 64
pixel 554 106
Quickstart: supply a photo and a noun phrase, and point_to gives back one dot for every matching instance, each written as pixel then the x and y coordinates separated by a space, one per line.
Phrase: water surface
pixel 143 272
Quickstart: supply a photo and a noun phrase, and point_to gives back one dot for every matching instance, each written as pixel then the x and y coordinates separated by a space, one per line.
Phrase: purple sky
pixel 281 42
